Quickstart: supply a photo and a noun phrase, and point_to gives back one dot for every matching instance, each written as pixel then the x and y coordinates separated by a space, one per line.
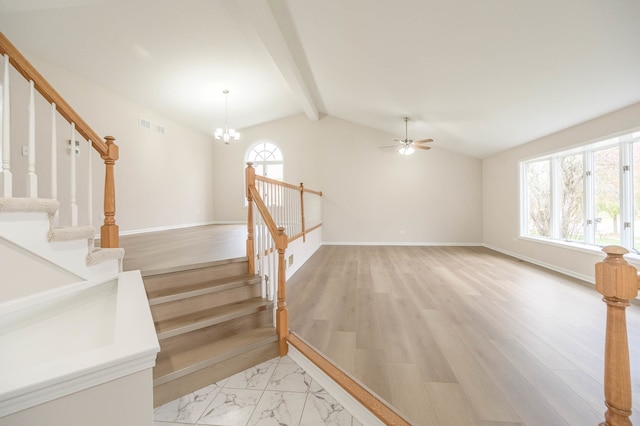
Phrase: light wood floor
pixel 460 336
pixel 185 246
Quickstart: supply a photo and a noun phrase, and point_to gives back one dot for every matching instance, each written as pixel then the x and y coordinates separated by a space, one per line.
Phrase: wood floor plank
pixel 409 395
pixel 450 404
pixel 489 402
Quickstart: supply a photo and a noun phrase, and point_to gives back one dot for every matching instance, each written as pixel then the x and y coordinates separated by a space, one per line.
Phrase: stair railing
pixel 275 211
pixel 107 149
pixel 618 282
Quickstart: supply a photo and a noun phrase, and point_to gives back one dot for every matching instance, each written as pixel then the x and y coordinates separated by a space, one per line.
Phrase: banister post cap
pixel 615 250
pixel 615 278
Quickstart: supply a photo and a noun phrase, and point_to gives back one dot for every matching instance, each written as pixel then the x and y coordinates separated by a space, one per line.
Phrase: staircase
pixel 28 230
pixel 211 322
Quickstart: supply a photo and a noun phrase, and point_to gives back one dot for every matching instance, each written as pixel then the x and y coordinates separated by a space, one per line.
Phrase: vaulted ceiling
pixel 478 77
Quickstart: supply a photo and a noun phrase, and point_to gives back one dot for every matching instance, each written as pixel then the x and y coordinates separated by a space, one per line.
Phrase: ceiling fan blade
pixel 388 146
pixel 425 141
pixel 421 147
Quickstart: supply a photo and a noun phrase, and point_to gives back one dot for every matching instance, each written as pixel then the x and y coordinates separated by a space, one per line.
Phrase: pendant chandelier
pixel 226 134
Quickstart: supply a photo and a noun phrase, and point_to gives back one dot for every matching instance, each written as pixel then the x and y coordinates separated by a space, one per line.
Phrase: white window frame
pixel 249 150
pixel 625 141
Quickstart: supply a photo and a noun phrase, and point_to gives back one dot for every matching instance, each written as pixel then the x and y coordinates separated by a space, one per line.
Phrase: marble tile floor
pixel 277 392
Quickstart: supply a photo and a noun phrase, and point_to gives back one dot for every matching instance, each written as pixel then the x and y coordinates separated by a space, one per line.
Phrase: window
pixel 589 195
pixel 267 160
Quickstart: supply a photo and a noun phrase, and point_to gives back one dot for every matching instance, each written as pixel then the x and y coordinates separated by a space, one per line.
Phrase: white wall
pixel 161 181
pixel 501 194
pixel 371 195
pixel 124 401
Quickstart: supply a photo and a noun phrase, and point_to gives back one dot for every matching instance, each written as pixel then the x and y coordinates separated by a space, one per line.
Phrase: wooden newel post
pixel 617 281
pixel 109 233
pixel 250 175
pixel 282 315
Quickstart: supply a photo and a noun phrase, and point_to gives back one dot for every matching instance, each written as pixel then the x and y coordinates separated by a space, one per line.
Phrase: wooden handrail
pixel 281 240
pixel 28 71
pixel 276 182
pixel 287 185
pixel 617 281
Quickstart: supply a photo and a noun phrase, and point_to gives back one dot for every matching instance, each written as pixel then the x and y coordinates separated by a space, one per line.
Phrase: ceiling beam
pixel 261 18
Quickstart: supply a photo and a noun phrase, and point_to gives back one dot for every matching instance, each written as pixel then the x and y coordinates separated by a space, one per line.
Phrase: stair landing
pixel 154 251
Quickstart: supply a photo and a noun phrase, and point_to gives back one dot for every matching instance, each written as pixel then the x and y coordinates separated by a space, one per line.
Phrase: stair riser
pixel 204 377
pixel 165 311
pixel 220 331
pixel 162 281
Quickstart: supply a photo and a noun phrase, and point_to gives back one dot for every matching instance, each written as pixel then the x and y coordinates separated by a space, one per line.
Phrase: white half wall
pixel 370 194
pixel 500 188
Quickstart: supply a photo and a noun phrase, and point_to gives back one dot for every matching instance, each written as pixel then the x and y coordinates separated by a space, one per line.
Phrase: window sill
pixel 632 258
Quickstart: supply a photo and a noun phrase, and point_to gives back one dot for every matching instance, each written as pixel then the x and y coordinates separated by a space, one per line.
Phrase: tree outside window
pixel 572 197
pixel 539 198
pixel 606 183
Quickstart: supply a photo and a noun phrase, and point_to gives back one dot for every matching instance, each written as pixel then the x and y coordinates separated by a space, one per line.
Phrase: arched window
pixel 267 159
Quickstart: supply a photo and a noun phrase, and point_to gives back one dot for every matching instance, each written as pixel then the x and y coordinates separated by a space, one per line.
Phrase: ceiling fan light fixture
pixel 406 150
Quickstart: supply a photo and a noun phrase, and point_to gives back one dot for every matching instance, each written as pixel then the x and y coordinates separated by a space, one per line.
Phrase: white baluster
pixel 273 279
pixel 260 251
pixel 72 174
pixel 32 178
pixel 90 184
pixel 7 178
pixel 54 154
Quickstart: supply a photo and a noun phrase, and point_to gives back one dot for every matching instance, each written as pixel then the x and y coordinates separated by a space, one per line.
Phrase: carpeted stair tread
pixel 70 233
pixel 104 254
pixel 192 360
pixel 208 317
pixel 179 292
pixel 22 205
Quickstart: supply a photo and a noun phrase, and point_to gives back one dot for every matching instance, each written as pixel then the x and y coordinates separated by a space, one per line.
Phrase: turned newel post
pixel 282 315
pixel 617 281
pixel 250 175
pixel 109 234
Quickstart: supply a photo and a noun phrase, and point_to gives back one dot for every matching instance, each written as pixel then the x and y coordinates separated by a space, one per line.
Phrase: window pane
pixel 607 196
pixel 274 171
pixel 636 195
pixel 572 198
pixel 539 198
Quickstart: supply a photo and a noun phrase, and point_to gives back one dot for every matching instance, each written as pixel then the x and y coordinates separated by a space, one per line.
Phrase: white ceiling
pixel 478 77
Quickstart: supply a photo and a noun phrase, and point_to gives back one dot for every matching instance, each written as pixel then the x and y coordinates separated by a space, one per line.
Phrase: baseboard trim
pixel 362 403
pixel 546 265
pixel 403 243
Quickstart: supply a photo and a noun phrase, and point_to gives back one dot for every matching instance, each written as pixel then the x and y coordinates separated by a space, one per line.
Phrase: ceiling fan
pixel 407 146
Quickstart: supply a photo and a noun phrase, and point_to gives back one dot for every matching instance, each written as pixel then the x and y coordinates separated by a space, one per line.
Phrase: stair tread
pixel 208 286
pixel 185 362
pixel 184 268
pixel 204 318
